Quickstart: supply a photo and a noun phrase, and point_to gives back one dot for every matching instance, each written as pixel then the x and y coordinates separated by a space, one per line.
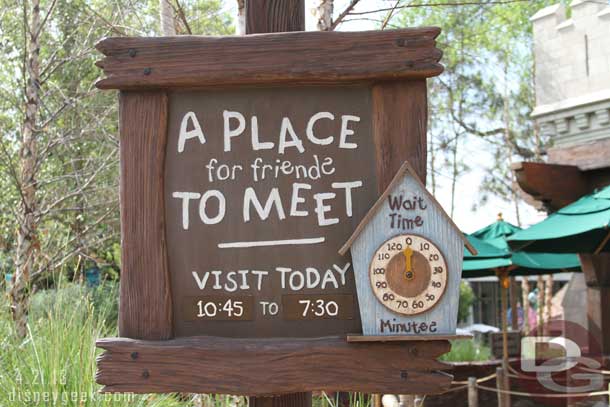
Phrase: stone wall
pixel 572 57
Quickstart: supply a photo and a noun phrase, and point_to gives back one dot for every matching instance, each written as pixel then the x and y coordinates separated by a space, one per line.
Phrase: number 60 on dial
pixel 408 274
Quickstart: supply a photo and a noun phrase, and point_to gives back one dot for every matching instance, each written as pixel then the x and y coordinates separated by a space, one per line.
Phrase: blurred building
pixel 572 82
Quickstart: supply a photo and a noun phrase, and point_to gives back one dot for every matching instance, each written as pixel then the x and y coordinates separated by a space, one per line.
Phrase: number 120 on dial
pixel 408 274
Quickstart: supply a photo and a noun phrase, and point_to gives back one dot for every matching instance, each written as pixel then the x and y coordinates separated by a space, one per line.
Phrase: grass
pixel 55 364
pixel 467 350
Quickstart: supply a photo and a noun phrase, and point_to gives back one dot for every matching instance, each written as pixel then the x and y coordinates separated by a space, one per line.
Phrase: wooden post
pixel 596 268
pixel 525 291
pixel 376 400
pixel 548 298
pixel 143 249
pixel 514 320
pixel 506 384
pixel 540 318
pixel 504 285
pixel 406 400
pixel 287 400
pixel 267 16
pixel 274 16
pixel 501 379
pixel 503 276
pixel 473 395
pixel 399 137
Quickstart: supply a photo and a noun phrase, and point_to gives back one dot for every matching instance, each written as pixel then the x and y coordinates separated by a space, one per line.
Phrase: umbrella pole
pixel 539 310
pixel 512 295
pixel 504 284
pixel 525 289
pixel 504 303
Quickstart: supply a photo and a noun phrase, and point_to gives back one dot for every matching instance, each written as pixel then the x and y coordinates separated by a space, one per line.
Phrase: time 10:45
pixel 211 309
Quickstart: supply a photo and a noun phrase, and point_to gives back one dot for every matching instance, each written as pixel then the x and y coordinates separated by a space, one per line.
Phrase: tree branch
pixel 343 14
pixel 450 4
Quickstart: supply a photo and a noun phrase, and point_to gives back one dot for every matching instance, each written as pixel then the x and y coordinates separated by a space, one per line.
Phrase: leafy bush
pixel 467 350
pixel 466 300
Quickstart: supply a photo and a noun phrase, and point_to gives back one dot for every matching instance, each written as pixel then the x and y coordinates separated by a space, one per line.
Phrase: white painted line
pixel 263 243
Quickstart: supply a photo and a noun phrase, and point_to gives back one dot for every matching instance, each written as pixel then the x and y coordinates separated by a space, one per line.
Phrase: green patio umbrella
pixel 495 253
pixel 530 261
pixel 496 258
pixel 487 259
pixel 581 227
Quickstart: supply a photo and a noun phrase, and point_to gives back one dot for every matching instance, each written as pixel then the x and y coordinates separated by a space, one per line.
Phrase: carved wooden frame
pixel 395 64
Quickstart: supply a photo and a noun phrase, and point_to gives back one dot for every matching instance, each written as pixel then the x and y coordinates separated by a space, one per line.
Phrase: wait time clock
pixel 408 274
pixel 407 258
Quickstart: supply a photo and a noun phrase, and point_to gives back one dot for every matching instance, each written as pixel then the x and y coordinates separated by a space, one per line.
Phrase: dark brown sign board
pixel 246 162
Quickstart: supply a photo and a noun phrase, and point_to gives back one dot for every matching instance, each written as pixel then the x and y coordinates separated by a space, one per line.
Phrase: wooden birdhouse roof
pixel 404 169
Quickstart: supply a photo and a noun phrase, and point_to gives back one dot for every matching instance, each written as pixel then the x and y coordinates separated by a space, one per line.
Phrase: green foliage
pixel 55 364
pixel 77 171
pixel 486 93
pixel 466 300
pixel 467 350
pixel 342 399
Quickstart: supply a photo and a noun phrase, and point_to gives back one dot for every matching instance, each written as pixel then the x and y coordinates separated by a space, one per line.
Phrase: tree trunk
pixel 166 14
pixel 548 298
pixel 525 290
pixel 540 286
pixel 240 28
pixel 454 174
pixel 514 314
pixel 323 13
pixel 432 167
pixel 28 157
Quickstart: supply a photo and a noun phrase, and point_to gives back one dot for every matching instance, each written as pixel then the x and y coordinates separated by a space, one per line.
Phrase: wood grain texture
pixel 296 57
pixel 286 400
pixel 596 268
pixel 552 184
pixel 439 229
pixel 402 338
pixel 261 367
pixel 145 300
pixel 400 118
pixel 267 16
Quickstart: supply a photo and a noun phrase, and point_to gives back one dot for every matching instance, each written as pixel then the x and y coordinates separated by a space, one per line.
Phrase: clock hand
pixel 408 253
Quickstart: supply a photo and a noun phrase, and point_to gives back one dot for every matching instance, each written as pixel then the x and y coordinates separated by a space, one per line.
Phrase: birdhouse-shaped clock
pixel 407 256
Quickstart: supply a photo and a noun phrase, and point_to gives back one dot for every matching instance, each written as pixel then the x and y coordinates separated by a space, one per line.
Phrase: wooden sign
pixel 246 162
pixel 407 255
pixel 262 187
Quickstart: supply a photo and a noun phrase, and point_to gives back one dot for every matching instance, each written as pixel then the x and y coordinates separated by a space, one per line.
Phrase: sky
pixel 467 190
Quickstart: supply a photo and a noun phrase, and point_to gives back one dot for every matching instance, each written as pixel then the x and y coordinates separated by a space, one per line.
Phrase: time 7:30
pixel 320 308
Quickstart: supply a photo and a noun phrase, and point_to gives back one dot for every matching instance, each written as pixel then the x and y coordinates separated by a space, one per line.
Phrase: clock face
pixel 408 274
